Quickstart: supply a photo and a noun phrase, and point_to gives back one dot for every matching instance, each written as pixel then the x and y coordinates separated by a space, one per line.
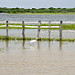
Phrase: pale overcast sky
pixel 37 3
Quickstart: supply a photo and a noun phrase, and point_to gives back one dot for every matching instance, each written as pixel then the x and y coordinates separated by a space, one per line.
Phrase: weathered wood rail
pixel 38 35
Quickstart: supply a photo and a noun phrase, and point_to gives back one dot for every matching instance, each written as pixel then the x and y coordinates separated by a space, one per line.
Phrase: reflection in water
pixel 23 45
pixel 60 46
pixel 49 44
pixel 7 42
pixel 38 45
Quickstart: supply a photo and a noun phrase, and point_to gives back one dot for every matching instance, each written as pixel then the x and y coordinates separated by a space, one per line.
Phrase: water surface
pixel 32 18
pixel 40 58
pixel 44 33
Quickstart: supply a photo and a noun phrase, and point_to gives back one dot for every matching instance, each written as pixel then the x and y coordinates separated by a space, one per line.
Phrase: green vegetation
pixel 2 24
pixel 69 13
pixel 28 38
pixel 37 11
pixel 71 27
pixel 30 25
pixel 15 38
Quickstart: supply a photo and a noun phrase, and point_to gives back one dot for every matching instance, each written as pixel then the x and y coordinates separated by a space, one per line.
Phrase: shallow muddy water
pixel 44 33
pixel 38 58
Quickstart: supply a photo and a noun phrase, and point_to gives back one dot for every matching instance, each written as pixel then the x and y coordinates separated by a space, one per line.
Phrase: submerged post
pixel 38 30
pixel 49 29
pixel 60 30
pixel 7 29
pixel 23 30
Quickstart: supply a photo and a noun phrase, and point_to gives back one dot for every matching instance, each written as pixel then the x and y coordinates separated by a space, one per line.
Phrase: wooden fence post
pixel 49 29
pixel 60 30
pixel 38 30
pixel 7 29
pixel 23 30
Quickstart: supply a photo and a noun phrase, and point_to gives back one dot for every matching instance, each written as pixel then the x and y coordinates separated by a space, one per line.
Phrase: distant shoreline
pixel 44 13
pixel 50 10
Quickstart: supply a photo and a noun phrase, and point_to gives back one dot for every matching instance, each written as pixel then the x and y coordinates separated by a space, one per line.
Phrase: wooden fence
pixel 39 23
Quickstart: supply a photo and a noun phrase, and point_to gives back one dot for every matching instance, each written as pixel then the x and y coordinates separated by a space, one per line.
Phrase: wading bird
pixel 32 42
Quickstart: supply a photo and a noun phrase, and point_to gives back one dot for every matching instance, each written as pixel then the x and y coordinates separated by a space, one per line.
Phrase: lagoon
pixel 36 18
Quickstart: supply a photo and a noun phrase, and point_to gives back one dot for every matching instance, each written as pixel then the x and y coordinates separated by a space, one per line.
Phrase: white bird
pixel 32 41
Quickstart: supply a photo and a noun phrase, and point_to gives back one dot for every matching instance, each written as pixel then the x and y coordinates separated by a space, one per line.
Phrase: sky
pixel 37 3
